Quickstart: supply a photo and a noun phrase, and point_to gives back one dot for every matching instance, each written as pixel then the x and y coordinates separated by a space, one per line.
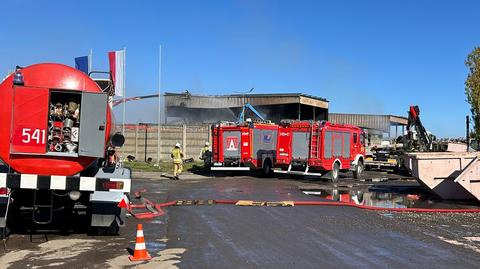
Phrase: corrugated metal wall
pixel 378 122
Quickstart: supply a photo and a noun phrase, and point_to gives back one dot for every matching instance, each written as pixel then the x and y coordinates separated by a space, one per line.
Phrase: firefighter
pixel 205 154
pixel 177 156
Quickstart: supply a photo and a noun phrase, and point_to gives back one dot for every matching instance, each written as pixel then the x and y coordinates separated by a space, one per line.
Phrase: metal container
pixel 440 172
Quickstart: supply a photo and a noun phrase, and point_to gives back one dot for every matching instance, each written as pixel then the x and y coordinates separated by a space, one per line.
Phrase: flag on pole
pixel 83 64
pixel 117 69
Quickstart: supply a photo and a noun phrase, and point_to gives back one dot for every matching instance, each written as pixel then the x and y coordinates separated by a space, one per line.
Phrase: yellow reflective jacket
pixel 177 155
pixel 203 151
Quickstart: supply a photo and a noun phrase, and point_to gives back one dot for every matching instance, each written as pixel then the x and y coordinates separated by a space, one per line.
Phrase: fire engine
pixel 317 147
pixel 244 146
pixel 58 147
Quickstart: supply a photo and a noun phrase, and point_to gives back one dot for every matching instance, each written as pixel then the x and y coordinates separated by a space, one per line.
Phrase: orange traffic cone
pixel 140 253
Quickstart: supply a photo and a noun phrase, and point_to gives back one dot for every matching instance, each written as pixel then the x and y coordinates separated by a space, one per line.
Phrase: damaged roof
pixel 238 100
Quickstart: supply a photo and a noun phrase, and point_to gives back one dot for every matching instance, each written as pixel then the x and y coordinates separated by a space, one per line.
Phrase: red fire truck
pixel 244 146
pixel 57 144
pixel 314 148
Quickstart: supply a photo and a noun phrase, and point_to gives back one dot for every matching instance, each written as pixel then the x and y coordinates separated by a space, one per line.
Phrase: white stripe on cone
pixel 140 233
pixel 140 246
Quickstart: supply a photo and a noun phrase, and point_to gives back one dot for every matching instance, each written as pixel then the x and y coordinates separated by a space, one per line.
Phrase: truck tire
pixel 335 172
pixel 267 167
pixel 359 168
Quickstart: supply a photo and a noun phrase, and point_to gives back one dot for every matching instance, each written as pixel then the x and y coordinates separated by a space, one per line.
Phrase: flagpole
pixel 159 102
pixel 124 88
pixel 90 61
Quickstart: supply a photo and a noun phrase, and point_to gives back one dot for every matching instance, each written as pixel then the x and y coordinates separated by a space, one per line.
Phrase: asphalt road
pixel 227 236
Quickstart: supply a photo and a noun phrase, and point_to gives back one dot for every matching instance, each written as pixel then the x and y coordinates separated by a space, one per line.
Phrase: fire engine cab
pixel 244 146
pixel 317 147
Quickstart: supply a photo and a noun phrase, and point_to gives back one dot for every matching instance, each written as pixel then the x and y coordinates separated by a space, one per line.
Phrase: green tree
pixel 472 88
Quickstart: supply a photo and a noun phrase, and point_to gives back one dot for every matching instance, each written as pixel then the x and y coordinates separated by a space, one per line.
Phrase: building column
pixel 299 111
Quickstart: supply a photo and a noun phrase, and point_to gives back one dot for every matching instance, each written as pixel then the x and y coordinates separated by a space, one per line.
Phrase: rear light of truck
pixel 3 191
pixel 115 185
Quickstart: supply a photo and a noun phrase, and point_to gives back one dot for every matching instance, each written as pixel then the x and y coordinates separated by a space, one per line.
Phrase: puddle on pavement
pixel 232 190
pixel 157 222
pixel 155 246
pixel 387 196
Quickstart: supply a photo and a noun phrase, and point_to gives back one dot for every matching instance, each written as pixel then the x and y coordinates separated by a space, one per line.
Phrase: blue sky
pixel 363 56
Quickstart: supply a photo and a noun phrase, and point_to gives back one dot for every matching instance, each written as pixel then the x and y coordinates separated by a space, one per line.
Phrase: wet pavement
pixel 228 236
pixel 406 195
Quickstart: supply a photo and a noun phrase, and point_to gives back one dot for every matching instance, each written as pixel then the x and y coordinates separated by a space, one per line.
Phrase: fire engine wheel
pixel 359 168
pixel 335 172
pixel 267 168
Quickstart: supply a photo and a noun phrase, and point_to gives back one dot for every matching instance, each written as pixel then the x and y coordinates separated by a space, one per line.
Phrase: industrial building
pixel 275 107
pixel 378 127
pixel 187 108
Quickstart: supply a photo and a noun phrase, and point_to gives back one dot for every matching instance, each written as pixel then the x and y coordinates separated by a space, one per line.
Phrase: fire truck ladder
pixel 314 138
pixel 3 231
pixel 314 134
pixel 37 208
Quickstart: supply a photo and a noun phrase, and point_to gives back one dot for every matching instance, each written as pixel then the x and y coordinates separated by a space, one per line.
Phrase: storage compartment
pixel 29 120
pixel 58 123
pixel 64 122
pixel 300 145
pixel 231 144
pixel 93 124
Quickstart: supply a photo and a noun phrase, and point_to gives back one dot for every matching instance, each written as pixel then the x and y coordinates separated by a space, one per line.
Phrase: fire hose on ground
pixel 156 210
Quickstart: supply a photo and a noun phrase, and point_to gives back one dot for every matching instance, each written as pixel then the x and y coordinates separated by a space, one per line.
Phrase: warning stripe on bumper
pixel 28 181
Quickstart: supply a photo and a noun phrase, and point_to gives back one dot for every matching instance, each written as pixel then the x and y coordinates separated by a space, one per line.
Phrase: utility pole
pixel 146 134
pixel 468 133
pixel 159 121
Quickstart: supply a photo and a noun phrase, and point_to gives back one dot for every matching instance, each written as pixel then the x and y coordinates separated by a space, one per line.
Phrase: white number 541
pixel 37 136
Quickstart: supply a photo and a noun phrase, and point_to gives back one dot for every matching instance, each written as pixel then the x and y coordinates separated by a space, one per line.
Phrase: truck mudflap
pixel 4 202
pixel 105 209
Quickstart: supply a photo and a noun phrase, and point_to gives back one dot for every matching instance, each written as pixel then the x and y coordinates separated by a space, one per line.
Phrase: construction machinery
pixel 389 154
pixel 58 145
pixel 248 106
